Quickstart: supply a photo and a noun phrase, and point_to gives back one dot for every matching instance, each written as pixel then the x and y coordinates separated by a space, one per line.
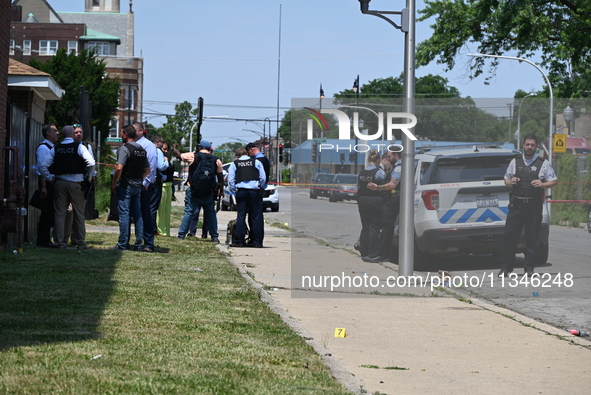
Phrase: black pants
pixel 390 210
pixel 370 210
pixel 46 219
pixel 520 215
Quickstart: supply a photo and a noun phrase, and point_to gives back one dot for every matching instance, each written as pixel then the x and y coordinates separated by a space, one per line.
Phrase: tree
pixel 179 125
pixel 557 29
pixel 71 72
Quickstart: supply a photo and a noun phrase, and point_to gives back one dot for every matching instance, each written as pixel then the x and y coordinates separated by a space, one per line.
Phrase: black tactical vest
pixel 135 164
pixel 365 177
pixel 67 160
pixel 526 175
pixel 246 170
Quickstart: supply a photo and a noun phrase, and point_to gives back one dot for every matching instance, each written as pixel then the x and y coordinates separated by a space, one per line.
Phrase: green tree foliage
pixel 556 29
pixel 71 72
pixel 178 126
pixel 441 113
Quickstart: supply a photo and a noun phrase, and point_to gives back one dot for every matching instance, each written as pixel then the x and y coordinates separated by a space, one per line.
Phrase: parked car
pixel 321 184
pixel 270 195
pixel 343 187
pixel 461 203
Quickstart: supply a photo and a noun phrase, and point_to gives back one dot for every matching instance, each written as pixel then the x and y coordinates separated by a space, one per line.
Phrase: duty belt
pixel 520 199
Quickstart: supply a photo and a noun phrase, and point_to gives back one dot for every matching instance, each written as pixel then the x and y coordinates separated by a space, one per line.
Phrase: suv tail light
pixel 431 199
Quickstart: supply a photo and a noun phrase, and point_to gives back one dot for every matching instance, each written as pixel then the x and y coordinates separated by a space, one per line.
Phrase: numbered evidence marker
pixel 340 332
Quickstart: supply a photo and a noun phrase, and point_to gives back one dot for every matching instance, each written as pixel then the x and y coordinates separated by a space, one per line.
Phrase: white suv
pixel 461 203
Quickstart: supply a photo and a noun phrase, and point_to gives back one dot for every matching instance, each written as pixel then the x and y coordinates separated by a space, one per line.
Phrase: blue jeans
pixel 207 203
pixel 128 204
pixel 248 201
pixel 146 208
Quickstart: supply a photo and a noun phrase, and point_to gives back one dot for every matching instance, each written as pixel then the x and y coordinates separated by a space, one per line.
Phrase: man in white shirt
pixel 68 165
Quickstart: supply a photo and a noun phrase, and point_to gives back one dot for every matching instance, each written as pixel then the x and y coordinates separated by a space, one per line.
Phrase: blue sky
pixel 226 51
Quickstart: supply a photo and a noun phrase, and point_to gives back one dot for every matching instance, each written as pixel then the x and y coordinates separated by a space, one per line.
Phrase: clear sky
pixel 226 51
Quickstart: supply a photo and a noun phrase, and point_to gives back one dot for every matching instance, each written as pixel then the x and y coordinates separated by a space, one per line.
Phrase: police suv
pixel 461 203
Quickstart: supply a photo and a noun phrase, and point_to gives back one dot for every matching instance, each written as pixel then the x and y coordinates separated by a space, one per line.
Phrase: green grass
pixel 179 321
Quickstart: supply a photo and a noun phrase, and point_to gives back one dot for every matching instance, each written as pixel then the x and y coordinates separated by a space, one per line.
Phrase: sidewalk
pixel 411 343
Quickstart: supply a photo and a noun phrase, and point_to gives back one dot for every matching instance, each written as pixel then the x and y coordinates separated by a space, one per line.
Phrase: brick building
pixel 37 30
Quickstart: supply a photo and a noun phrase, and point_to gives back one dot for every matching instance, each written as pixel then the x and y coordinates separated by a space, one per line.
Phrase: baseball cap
pixel 205 144
pixel 250 145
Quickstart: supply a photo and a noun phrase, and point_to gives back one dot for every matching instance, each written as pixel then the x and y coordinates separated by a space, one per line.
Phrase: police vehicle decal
pixel 472 215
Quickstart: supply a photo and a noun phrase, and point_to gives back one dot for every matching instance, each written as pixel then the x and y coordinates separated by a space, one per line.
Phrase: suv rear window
pixel 448 170
pixel 346 179
pixel 324 178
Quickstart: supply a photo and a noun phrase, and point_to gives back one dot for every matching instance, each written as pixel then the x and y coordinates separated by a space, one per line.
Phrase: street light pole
pixel 407 26
pixel 319 153
pixel 356 90
pixel 518 144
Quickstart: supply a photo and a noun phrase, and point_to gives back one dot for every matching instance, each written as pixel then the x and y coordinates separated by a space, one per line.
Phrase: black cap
pixel 250 145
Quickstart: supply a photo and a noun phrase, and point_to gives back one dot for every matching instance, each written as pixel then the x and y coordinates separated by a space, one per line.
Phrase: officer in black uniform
pixel 528 176
pixel 369 204
pixel 246 177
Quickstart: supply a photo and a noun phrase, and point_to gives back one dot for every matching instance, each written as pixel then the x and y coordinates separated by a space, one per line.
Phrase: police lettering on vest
pixel 246 170
pixel 135 163
pixel 67 160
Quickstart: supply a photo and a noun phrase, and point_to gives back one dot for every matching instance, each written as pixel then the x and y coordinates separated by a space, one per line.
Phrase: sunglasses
pixel 77 126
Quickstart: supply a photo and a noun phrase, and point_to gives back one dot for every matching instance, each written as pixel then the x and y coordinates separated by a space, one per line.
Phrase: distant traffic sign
pixel 559 143
pixel 113 140
pixel 320 140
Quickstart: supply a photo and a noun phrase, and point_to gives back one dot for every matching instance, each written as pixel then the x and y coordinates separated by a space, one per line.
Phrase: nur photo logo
pixel 392 123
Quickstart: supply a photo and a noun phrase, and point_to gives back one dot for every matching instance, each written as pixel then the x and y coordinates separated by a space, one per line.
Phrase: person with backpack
pixel 206 185
pixel 246 178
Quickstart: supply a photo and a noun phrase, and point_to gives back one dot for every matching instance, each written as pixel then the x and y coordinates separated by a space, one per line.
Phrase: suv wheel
pixel 275 208
pixel 541 255
pixel 312 195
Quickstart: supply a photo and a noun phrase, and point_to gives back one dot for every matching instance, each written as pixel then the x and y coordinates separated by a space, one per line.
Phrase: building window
pixel 102 48
pixel 95 3
pixel 26 47
pixel 114 130
pixel 128 97
pixel 47 47
pixel 73 47
pixel 11 51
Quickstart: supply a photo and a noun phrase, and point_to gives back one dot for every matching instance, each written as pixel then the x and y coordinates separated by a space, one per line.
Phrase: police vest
pixel 365 177
pixel 526 175
pixel 67 160
pixel 266 166
pixel 135 164
pixel 246 170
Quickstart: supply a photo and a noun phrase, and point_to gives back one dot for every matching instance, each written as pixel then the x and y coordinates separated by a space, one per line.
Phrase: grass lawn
pixel 181 321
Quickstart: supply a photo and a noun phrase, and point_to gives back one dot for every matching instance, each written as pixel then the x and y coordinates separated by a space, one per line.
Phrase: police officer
pixel 132 168
pixel 388 183
pixel 369 204
pixel 528 176
pixel 70 164
pixel 246 178
pixel 46 219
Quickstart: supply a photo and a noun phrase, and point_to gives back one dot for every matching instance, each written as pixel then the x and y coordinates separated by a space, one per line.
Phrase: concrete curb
pixel 338 371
